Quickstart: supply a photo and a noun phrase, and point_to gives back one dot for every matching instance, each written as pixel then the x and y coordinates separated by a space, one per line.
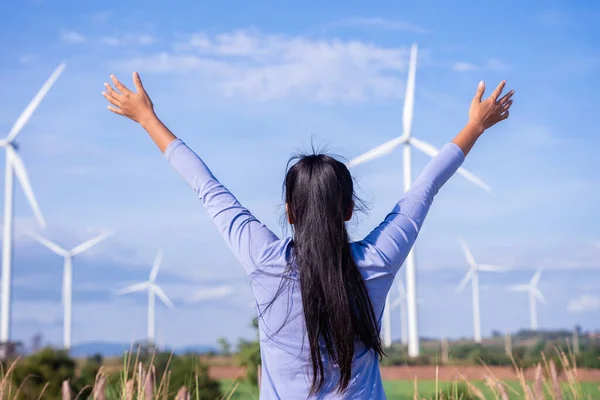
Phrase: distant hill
pixel 108 349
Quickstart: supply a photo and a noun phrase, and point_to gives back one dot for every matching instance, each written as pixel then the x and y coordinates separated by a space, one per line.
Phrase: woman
pixel 320 298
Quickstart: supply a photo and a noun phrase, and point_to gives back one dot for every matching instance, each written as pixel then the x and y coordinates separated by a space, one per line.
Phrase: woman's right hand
pixel 484 114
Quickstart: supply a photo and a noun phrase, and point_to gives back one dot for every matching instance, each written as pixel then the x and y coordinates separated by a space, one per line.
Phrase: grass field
pixel 404 390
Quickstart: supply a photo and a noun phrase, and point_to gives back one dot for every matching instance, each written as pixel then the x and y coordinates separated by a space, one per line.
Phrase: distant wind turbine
pixel 400 303
pixel 67 289
pixel 534 295
pixel 14 165
pixel 473 276
pixel 406 140
pixel 153 289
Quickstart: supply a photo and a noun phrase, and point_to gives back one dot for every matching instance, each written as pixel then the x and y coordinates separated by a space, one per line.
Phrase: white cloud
pixel 27 58
pixel 584 303
pixel 464 66
pixel 261 67
pixel 491 65
pixel 210 293
pixel 141 39
pixel 380 23
pixel 72 37
pixel 37 312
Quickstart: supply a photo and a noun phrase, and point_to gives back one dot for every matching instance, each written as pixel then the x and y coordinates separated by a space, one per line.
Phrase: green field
pixel 404 390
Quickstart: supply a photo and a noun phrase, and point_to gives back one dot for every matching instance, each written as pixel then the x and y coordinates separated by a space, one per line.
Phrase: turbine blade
pixel 539 295
pixel 23 178
pixel 536 277
pixel 162 295
pixel 519 288
pixel 26 114
pixel 425 147
pixel 138 287
pixel 467 252
pixel 464 281
pixel 409 97
pixel 46 242
pixel 491 268
pixel 156 265
pixel 90 243
pixel 432 151
pixel 473 179
pixel 377 152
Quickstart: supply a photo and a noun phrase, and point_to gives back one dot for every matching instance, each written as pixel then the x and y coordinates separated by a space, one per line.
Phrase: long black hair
pixel 319 195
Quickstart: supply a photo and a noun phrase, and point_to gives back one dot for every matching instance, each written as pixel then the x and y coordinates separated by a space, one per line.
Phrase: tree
pixel 190 372
pixel 224 345
pixel 249 356
pixel 44 371
pixel 11 350
pixel 36 342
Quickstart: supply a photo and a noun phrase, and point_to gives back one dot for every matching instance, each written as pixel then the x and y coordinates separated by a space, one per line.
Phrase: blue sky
pixel 247 85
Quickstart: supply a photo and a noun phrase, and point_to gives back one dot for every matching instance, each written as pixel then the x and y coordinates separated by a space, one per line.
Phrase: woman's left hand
pixel 136 106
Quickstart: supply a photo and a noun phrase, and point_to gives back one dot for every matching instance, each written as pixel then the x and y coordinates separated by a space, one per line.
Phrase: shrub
pixel 47 369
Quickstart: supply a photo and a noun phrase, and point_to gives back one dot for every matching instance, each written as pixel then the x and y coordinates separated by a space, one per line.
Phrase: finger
pixel 504 116
pixel 496 93
pixel 111 99
pixel 505 106
pixel 115 110
pixel 119 85
pixel 137 81
pixel 111 91
pixel 479 92
pixel 506 97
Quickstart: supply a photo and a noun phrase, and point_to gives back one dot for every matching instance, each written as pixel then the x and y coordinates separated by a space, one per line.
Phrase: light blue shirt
pixel 284 348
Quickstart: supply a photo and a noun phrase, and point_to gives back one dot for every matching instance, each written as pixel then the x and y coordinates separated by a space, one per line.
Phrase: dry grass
pixel 140 384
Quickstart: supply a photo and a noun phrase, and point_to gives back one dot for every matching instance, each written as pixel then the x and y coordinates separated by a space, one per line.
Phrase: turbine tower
pixel 14 165
pixel 400 303
pixel 153 289
pixel 407 141
pixel 473 276
pixel 67 291
pixel 534 294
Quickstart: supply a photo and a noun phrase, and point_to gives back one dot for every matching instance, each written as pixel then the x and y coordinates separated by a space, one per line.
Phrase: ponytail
pixel 319 197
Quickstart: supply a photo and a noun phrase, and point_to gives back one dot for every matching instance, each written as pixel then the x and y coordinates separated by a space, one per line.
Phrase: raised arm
pixel 395 236
pixel 244 234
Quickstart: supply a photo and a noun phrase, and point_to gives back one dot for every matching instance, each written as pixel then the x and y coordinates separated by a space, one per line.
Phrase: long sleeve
pixel 246 236
pixel 392 240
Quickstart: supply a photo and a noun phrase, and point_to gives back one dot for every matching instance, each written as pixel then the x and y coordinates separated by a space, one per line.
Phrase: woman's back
pixel 284 346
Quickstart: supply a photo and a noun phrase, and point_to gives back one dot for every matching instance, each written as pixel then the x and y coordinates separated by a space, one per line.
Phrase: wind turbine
pixel 406 140
pixel 15 165
pixel 400 303
pixel 473 276
pixel 153 289
pixel 67 291
pixel 534 294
